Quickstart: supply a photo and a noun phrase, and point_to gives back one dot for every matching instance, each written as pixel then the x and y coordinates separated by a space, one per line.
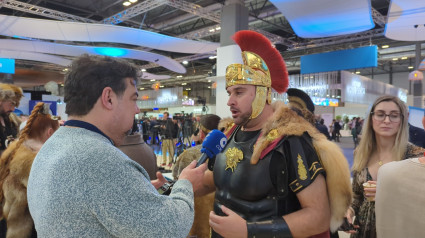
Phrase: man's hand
pixel 159 181
pixel 194 175
pixel 232 225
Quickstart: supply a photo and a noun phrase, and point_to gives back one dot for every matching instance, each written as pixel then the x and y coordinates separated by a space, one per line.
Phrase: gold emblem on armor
pixel 302 172
pixel 233 157
pixel 273 135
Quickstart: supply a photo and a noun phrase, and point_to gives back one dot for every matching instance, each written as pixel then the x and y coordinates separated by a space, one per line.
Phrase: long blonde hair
pixel 368 145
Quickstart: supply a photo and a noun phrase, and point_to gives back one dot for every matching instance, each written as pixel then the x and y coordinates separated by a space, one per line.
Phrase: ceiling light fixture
pixel 133 1
pixel 179 76
pixel 395 59
pixel 143 70
pixel 152 80
pixel 185 62
pixel 357 72
pixel 403 58
pixel 126 3
pixel 184 84
pixel 385 46
pixel 410 67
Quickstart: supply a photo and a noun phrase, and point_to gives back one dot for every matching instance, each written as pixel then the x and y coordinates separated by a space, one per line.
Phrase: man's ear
pixel 50 132
pixel 107 97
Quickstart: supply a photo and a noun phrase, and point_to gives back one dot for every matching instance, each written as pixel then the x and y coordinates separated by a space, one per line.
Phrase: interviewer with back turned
pixel 81 185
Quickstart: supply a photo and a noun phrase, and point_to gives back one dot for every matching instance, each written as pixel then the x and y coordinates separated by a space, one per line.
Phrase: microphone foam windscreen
pixel 214 143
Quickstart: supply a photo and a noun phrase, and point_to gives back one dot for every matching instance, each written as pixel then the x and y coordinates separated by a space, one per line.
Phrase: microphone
pixel 213 144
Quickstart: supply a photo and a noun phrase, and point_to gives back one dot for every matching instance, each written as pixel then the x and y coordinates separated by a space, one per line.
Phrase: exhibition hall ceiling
pixel 181 21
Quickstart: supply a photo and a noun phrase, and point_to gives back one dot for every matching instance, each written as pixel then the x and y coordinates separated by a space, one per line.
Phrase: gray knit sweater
pixel 82 186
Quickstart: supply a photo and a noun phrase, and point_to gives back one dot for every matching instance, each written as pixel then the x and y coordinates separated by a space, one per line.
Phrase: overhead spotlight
pixel 357 72
pixel 126 3
pixel 403 58
pixel 218 28
pixel 143 70
pixel 410 67
pixel 179 76
pixel 183 84
pixel 188 89
pixel 161 86
pixel 152 80
pixel 141 88
pixel 65 69
pixel 212 30
pixel 185 62
pixel 132 1
pixel 209 86
pixel 212 57
pixel 209 80
pixel 385 46
pixel 395 59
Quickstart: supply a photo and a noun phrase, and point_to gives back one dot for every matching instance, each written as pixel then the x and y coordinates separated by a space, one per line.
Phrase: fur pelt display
pixel 15 205
pixel 287 122
pixel 203 204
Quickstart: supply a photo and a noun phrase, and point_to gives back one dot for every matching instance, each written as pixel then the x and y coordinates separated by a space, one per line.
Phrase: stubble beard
pixel 243 119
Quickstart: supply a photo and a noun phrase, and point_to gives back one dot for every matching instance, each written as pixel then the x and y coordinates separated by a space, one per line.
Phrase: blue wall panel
pixel 362 57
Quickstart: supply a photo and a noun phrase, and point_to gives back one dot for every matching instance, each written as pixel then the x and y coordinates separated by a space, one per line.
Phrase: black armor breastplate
pixel 247 190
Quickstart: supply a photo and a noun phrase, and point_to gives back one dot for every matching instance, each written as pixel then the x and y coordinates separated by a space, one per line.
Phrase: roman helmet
pixel 263 67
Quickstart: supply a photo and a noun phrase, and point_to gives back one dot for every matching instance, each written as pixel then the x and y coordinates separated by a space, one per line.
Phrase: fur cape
pixel 203 204
pixel 15 205
pixel 286 122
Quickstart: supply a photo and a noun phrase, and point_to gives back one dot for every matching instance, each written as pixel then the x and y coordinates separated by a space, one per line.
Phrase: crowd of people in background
pixel 93 185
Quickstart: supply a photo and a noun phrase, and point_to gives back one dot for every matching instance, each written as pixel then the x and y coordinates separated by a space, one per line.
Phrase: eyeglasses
pixel 380 116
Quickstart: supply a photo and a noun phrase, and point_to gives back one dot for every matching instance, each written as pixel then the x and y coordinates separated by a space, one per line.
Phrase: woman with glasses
pixel 384 139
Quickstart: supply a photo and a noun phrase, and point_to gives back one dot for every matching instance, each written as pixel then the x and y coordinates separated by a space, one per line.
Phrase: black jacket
pixel 417 136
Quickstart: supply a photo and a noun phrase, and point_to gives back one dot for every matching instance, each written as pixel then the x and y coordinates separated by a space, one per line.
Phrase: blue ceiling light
pixel 325 18
pixel 113 52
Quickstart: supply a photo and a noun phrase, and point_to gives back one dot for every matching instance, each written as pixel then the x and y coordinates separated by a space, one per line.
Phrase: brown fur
pixel 204 204
pixel 15 204
pixel 288 122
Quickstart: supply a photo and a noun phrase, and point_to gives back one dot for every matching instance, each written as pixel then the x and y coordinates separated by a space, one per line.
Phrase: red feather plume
pixel 257 43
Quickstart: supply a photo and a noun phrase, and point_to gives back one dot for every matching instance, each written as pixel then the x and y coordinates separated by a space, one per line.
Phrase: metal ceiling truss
pixel 147 5
pixel 136 10
pixel 41 11
pixel 378 18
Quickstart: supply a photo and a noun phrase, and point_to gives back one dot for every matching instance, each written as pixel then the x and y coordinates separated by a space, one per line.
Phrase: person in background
pixel 416 135
pixel 384 140
pixel 336 130
pixel 145 129
pixel 355 124
pixel 135 147
pixel 299 100
pixel 15 165
pixel 10 96
pixel 203 204
pixel 268 179
pixel 320 126
pixel 167 136
pixel 82 185
pixel 400 199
